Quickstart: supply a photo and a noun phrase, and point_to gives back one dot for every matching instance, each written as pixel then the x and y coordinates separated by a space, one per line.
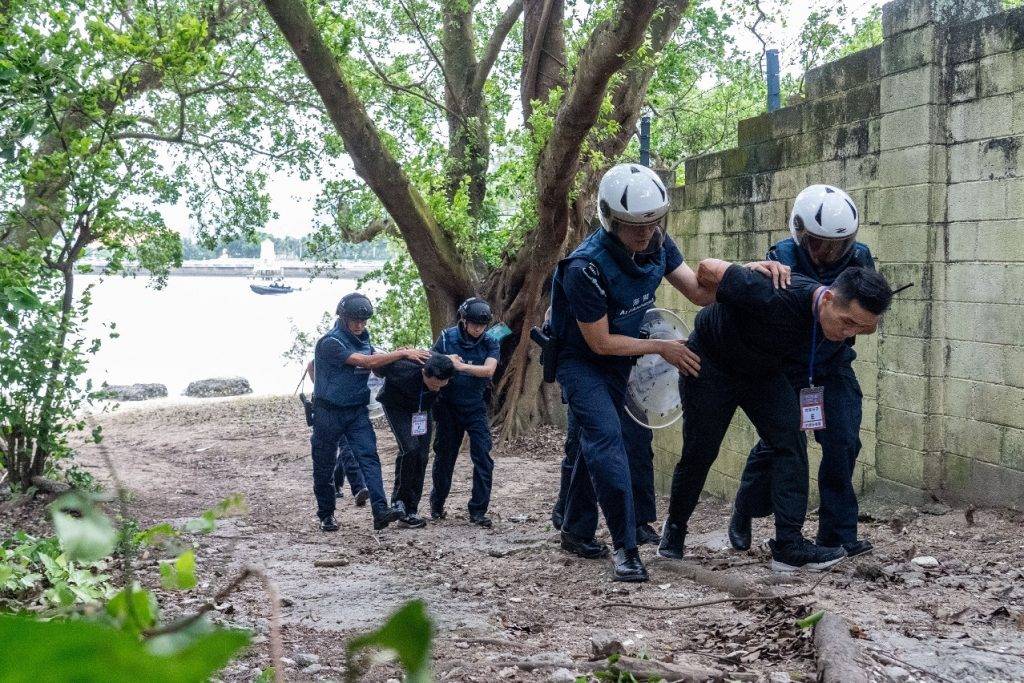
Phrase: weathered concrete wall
pixel 924 131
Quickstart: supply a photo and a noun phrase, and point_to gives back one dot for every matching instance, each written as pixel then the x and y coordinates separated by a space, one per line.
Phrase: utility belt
pixel 549 345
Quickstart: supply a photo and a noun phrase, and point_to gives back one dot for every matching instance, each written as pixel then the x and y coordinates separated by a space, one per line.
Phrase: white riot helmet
pixel 631 194
pixel 824 223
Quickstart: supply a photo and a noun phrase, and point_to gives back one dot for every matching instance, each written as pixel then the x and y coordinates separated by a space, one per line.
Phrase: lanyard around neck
pixel 814 335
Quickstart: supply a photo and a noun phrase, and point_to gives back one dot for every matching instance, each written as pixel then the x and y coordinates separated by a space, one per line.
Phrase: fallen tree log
pixel 726 582
pixel 49 485
pixel 651 669
pixel 836 652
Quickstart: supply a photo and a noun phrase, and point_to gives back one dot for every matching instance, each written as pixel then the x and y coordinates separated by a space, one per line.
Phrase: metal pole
pixel 773 79
pixel 645 140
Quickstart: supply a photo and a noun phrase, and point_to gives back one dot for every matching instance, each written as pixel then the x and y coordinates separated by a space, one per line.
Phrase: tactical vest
pixel 463 389
pixel 343 386
pixel 629 290
pixel 789 252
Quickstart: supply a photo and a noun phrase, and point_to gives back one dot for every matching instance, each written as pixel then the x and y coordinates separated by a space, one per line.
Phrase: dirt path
pixel 509 594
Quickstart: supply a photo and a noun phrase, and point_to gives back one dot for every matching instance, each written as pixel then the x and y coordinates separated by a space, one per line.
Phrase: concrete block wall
pixel 925 133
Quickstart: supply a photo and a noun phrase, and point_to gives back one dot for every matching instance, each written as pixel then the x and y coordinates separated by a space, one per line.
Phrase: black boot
pixel 556 519
pixel 673 537
pixel 480 519
pixel 392 514
pixel 362 497
pixel 646 535
pixel 739 530
pixel 629 567
pixel 437 513
pixel 590 549
pixel 328 524
pixel 802 554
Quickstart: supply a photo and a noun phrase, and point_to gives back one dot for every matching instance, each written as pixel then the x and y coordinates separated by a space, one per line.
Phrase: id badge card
pixel 419 424
pixel 812 408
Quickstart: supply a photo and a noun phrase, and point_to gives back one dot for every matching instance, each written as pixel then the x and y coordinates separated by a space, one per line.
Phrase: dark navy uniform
pixel 602 278
pixel 839 440
pixel 461 410
pixel 340 416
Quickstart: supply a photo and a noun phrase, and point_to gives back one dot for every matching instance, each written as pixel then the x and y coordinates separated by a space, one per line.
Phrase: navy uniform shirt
pixel 464 389
pixel 585 290
pixel 756 329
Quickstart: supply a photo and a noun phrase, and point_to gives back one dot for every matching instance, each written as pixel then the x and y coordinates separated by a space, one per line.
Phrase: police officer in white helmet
pixel 599 295
pixel 823 243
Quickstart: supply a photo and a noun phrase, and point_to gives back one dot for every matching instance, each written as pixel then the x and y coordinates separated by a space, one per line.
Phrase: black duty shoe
pixel 673 537
pixel 362 497
pixel 739 531
pixel 791 557
pixel 412 522
pixel 629 567
pixel 481 519
pixel 438 513
pixel 393 514
pixel 646 535
pixel 339 491
pixel 328 524
pixel 589 549
pixel 858 547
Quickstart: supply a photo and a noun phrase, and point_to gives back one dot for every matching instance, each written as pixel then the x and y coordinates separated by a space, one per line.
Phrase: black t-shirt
pixel 403 387
pixel 756 329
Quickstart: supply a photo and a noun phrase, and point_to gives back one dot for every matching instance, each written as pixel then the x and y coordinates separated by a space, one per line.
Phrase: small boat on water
pixel 272 288
pixel 267 276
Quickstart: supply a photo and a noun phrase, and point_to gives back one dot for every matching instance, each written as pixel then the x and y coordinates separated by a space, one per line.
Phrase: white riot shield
pixel 376 384
pixel 652 395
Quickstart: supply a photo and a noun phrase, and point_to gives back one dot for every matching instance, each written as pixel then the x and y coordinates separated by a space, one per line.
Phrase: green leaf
pixel 143 613
pixel 156 534
pixel 79 650
pixel 202 525
pixel 408 633
pixel 179 574
pixel 810 621
pixel 85 533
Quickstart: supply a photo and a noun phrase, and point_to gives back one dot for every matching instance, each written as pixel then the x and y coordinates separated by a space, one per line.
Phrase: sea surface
pixel 201 327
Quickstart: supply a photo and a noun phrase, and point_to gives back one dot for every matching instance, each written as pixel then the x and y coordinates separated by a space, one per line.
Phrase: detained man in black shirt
pixel 746 340
pixel 409 392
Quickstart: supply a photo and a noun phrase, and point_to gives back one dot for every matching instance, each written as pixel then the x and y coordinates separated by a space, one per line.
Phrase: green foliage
pixel 180 573
pixel 36 574
pixel 232 506
pixel 84 532
pixel 400 317
pixel 85 651
pixel 408 633
pixel 811 620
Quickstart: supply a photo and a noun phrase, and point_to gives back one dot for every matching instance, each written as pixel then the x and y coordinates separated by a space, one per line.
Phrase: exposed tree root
pixel 838 655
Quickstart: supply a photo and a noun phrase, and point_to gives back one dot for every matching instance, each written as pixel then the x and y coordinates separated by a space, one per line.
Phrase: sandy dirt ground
pixel 508 604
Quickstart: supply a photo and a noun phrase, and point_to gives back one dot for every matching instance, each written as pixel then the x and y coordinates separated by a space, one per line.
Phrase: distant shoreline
pixel 244 268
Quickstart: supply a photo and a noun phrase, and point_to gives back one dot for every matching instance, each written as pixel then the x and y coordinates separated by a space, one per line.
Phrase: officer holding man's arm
pixel 823 244
pixel 343 359
pixel 461 409
pixel 599 295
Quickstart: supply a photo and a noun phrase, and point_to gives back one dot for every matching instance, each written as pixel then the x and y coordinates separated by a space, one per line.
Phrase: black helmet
pixel 475 310
pixel 355 306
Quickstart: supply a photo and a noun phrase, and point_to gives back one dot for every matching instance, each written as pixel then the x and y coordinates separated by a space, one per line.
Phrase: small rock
pixel 258 640
pixel 286 602
pixel 312 669
pixel 895 674
pixel 779 677
pixel 218 386
pixel 562 676
pixel 925 562
pixel 937 509
pixel 288 661
pixel 134 392
pixel 304 659
pixel 507 672
pixel 605 644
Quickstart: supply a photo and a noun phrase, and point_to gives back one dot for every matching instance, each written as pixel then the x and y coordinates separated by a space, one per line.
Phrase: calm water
pixel 201 327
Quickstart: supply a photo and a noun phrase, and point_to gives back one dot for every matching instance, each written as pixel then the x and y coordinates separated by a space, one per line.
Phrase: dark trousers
pixel 640 452
pixel 840 446
pixel 347 468
pixel 709 403
pixel 331 427
pixel 411 463
pixel 453 423
pixel 600 475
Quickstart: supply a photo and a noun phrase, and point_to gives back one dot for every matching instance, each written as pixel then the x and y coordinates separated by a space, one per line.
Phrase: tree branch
pixel 386 80
pixel 430 48
pixel 493 48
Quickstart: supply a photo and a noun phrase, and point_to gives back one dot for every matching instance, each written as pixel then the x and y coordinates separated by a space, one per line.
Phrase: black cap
pixel 355 306
pixel 475 310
